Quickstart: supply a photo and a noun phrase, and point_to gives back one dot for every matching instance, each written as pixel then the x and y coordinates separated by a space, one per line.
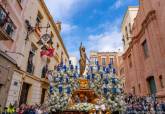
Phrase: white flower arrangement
pixel 112 101
pixel 82 107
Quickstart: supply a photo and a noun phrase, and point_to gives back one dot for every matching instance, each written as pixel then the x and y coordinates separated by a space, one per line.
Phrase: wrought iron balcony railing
pixel 7 27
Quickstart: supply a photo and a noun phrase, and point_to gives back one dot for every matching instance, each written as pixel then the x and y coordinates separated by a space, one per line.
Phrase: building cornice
pixel 27 75
pixel 54 25
pixel 8 57
pixel 126 14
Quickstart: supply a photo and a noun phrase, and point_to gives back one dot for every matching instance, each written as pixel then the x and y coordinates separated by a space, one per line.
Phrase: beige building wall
pixel 127 24
pixel 19 12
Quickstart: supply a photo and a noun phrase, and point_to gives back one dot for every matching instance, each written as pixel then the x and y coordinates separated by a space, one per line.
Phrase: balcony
pixel 7 27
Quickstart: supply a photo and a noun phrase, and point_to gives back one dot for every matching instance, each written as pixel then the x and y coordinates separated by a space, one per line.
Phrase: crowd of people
pixel 24 109
pixel 143 105
pixel 135 105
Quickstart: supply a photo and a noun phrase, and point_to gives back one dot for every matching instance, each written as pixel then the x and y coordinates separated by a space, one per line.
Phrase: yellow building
pixel 28 82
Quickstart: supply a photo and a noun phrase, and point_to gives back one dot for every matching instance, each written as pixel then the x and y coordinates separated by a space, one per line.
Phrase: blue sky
pixel 96 23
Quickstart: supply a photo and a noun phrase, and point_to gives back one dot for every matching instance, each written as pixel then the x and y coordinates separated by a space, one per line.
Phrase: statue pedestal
pixel 84 94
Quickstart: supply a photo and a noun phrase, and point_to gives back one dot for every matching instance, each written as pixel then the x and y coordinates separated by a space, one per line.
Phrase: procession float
pixel 72 91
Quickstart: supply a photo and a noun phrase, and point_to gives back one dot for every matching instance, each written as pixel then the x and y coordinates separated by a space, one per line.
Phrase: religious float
pixel 98 91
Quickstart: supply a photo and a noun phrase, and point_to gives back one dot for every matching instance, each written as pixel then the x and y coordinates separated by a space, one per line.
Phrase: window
pixel 103 61
pixel 130 61
pixel 152 85
pixel 130 28
pixel 161 81
pixel 123 40
pixel 111 60
pixel 43 96
pixel 6 23
pixel 58 46
pixel 39 18
pixel 3 16
pixel 9 28
pixel 126 31
pixel 51 34
pixel 24 93
pixel 62 57
pixel 30 65
pixel 145 49
pixel 44 71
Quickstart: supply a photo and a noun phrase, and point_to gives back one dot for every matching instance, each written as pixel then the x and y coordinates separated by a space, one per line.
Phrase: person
pixel 162 106
pixel 10 109
pixel 5 111
pixel 0 109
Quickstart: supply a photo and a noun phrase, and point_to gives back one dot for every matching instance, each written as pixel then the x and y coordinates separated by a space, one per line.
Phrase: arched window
pixel 161 81
pixel 151 85
pixel 130 28
pixel 44 71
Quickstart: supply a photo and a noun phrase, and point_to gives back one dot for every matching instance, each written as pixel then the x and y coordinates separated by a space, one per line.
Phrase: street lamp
pixel 30 28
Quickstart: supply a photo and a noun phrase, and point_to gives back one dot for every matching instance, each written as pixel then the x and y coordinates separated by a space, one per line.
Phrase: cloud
pixel 118 4
pixel 65 9
pixel 105 41
pixel 68 28
pixel 108 40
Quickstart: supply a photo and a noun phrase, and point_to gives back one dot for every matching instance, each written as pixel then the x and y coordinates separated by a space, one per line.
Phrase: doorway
pixel 43 96
pixel 24 93
pixel 152 85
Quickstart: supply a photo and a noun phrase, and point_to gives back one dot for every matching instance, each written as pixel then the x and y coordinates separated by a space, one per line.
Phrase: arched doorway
pixel 151 85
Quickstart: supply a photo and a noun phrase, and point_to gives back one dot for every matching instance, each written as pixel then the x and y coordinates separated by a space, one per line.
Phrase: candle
pixel 107 70
pixel 64 67
pixel 105 90
pixel 67 79
pixel 110 66
pixel 98 67
pixel 93 76
pixel 68 90
pixel 60 88
pixel 88 76
pixel 71 67
pixel 106 80
pixel 114 71
pixel 51 89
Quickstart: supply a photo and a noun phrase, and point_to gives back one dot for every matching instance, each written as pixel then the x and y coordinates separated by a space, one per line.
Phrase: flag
pixel 49 52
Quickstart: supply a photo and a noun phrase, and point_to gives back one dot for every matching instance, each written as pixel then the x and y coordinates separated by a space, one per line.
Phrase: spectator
pixel 142 105
pixel 0 109
pixel 162 106
pixel 10 109
pixel 5 111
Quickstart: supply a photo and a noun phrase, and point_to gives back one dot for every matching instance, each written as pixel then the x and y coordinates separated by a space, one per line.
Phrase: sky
pixel 95 23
